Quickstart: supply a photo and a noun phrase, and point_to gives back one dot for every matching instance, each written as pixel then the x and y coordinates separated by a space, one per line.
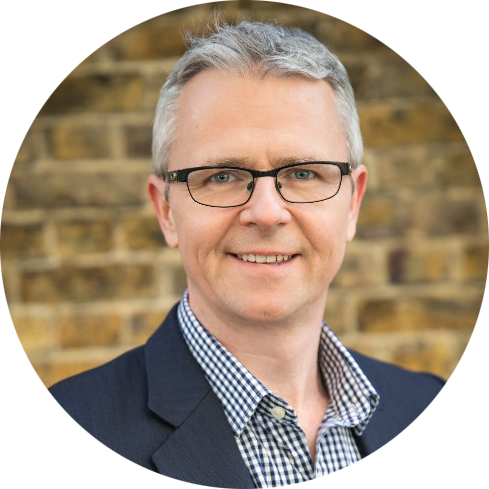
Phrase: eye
pixel 303 174
pixel 222 177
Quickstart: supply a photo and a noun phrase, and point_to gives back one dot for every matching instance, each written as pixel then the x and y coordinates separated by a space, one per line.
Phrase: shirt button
pixel 319 480
pixel 278 412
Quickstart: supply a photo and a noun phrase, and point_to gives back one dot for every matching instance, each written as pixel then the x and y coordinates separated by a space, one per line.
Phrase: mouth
pixel 265 259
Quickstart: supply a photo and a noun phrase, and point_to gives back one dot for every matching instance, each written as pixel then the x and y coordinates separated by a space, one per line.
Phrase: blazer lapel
pixel 202 449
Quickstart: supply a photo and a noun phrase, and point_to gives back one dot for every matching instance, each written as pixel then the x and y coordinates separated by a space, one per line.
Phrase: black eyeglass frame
pixel 182 176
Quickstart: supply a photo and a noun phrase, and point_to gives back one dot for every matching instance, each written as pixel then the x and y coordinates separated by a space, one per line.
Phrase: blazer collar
pixel 202 449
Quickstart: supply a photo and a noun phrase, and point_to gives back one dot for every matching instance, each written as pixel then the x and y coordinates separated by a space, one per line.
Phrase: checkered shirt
pixel 275 450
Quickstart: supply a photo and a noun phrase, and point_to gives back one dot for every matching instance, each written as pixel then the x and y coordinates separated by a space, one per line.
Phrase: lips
pixel 265 259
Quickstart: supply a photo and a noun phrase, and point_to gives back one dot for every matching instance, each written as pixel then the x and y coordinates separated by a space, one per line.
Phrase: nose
pixel 266 208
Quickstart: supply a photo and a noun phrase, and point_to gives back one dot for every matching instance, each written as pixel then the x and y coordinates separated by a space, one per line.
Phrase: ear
pixel 156 191
pixel 359 176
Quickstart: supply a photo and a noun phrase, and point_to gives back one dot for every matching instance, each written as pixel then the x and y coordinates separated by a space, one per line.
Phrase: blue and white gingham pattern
pixel 275 450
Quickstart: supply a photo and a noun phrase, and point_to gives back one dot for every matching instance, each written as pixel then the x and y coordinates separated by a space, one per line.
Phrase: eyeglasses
pixel 232 186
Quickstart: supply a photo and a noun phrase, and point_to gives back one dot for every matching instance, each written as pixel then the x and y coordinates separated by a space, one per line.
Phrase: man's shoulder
pixel 405 392
pixel 104 388
pixel 113 383
pixel 388 375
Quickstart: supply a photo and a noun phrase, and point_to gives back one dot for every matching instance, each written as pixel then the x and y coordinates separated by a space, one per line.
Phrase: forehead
pixel 224 115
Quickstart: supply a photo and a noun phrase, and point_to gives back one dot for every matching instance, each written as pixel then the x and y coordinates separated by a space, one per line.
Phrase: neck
pixel 282 355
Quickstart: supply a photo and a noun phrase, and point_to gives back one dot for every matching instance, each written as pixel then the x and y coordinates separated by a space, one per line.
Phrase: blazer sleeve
pixel 23 464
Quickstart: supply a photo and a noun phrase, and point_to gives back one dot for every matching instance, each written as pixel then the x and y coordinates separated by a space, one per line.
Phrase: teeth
pixel 264 258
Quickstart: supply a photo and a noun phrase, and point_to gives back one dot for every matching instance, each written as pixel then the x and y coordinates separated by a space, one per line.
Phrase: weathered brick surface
pixel 415 264
pixel 70 283
pixel 138 141
pixel 466 168
pixel 474 262
pixel 85 267
pixel 81 236
pixel 145 323
pixel 18 147
pixel 392 123
pixel 72 189
pixel 81 330
pixel 142 232
pixel 69 141
pixel 418 312
pixel 22 240
pixel 149 42
pixel 35 331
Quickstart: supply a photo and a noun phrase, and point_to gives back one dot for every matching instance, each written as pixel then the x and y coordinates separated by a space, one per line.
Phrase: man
pixel 258 181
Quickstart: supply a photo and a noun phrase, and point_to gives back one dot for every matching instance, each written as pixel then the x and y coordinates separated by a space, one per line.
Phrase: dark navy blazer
pixel 154 406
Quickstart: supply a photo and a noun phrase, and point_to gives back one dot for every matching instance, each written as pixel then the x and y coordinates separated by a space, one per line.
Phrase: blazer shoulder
pixel 102 389
pixel 429 407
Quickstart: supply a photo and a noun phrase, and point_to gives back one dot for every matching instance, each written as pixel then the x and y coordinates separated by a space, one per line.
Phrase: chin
pixel 265 313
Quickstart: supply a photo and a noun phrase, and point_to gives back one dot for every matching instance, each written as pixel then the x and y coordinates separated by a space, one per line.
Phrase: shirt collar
pixel 352 396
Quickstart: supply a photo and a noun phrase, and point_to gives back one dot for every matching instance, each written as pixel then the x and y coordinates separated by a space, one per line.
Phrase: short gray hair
pixel 260 50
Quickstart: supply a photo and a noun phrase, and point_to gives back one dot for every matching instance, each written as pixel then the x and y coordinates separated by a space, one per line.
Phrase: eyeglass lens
pixel 228 187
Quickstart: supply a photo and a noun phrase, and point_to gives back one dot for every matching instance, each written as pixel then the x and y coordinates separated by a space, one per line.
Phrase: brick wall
pixel 86 270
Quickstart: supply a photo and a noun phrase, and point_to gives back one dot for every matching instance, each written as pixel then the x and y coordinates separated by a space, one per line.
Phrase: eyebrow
pixel 245 161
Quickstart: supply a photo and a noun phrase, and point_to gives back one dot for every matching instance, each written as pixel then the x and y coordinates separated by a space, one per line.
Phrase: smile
pixel 264 258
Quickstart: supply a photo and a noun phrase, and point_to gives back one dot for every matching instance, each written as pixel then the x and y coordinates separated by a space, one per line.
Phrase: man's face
pixel 259 124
